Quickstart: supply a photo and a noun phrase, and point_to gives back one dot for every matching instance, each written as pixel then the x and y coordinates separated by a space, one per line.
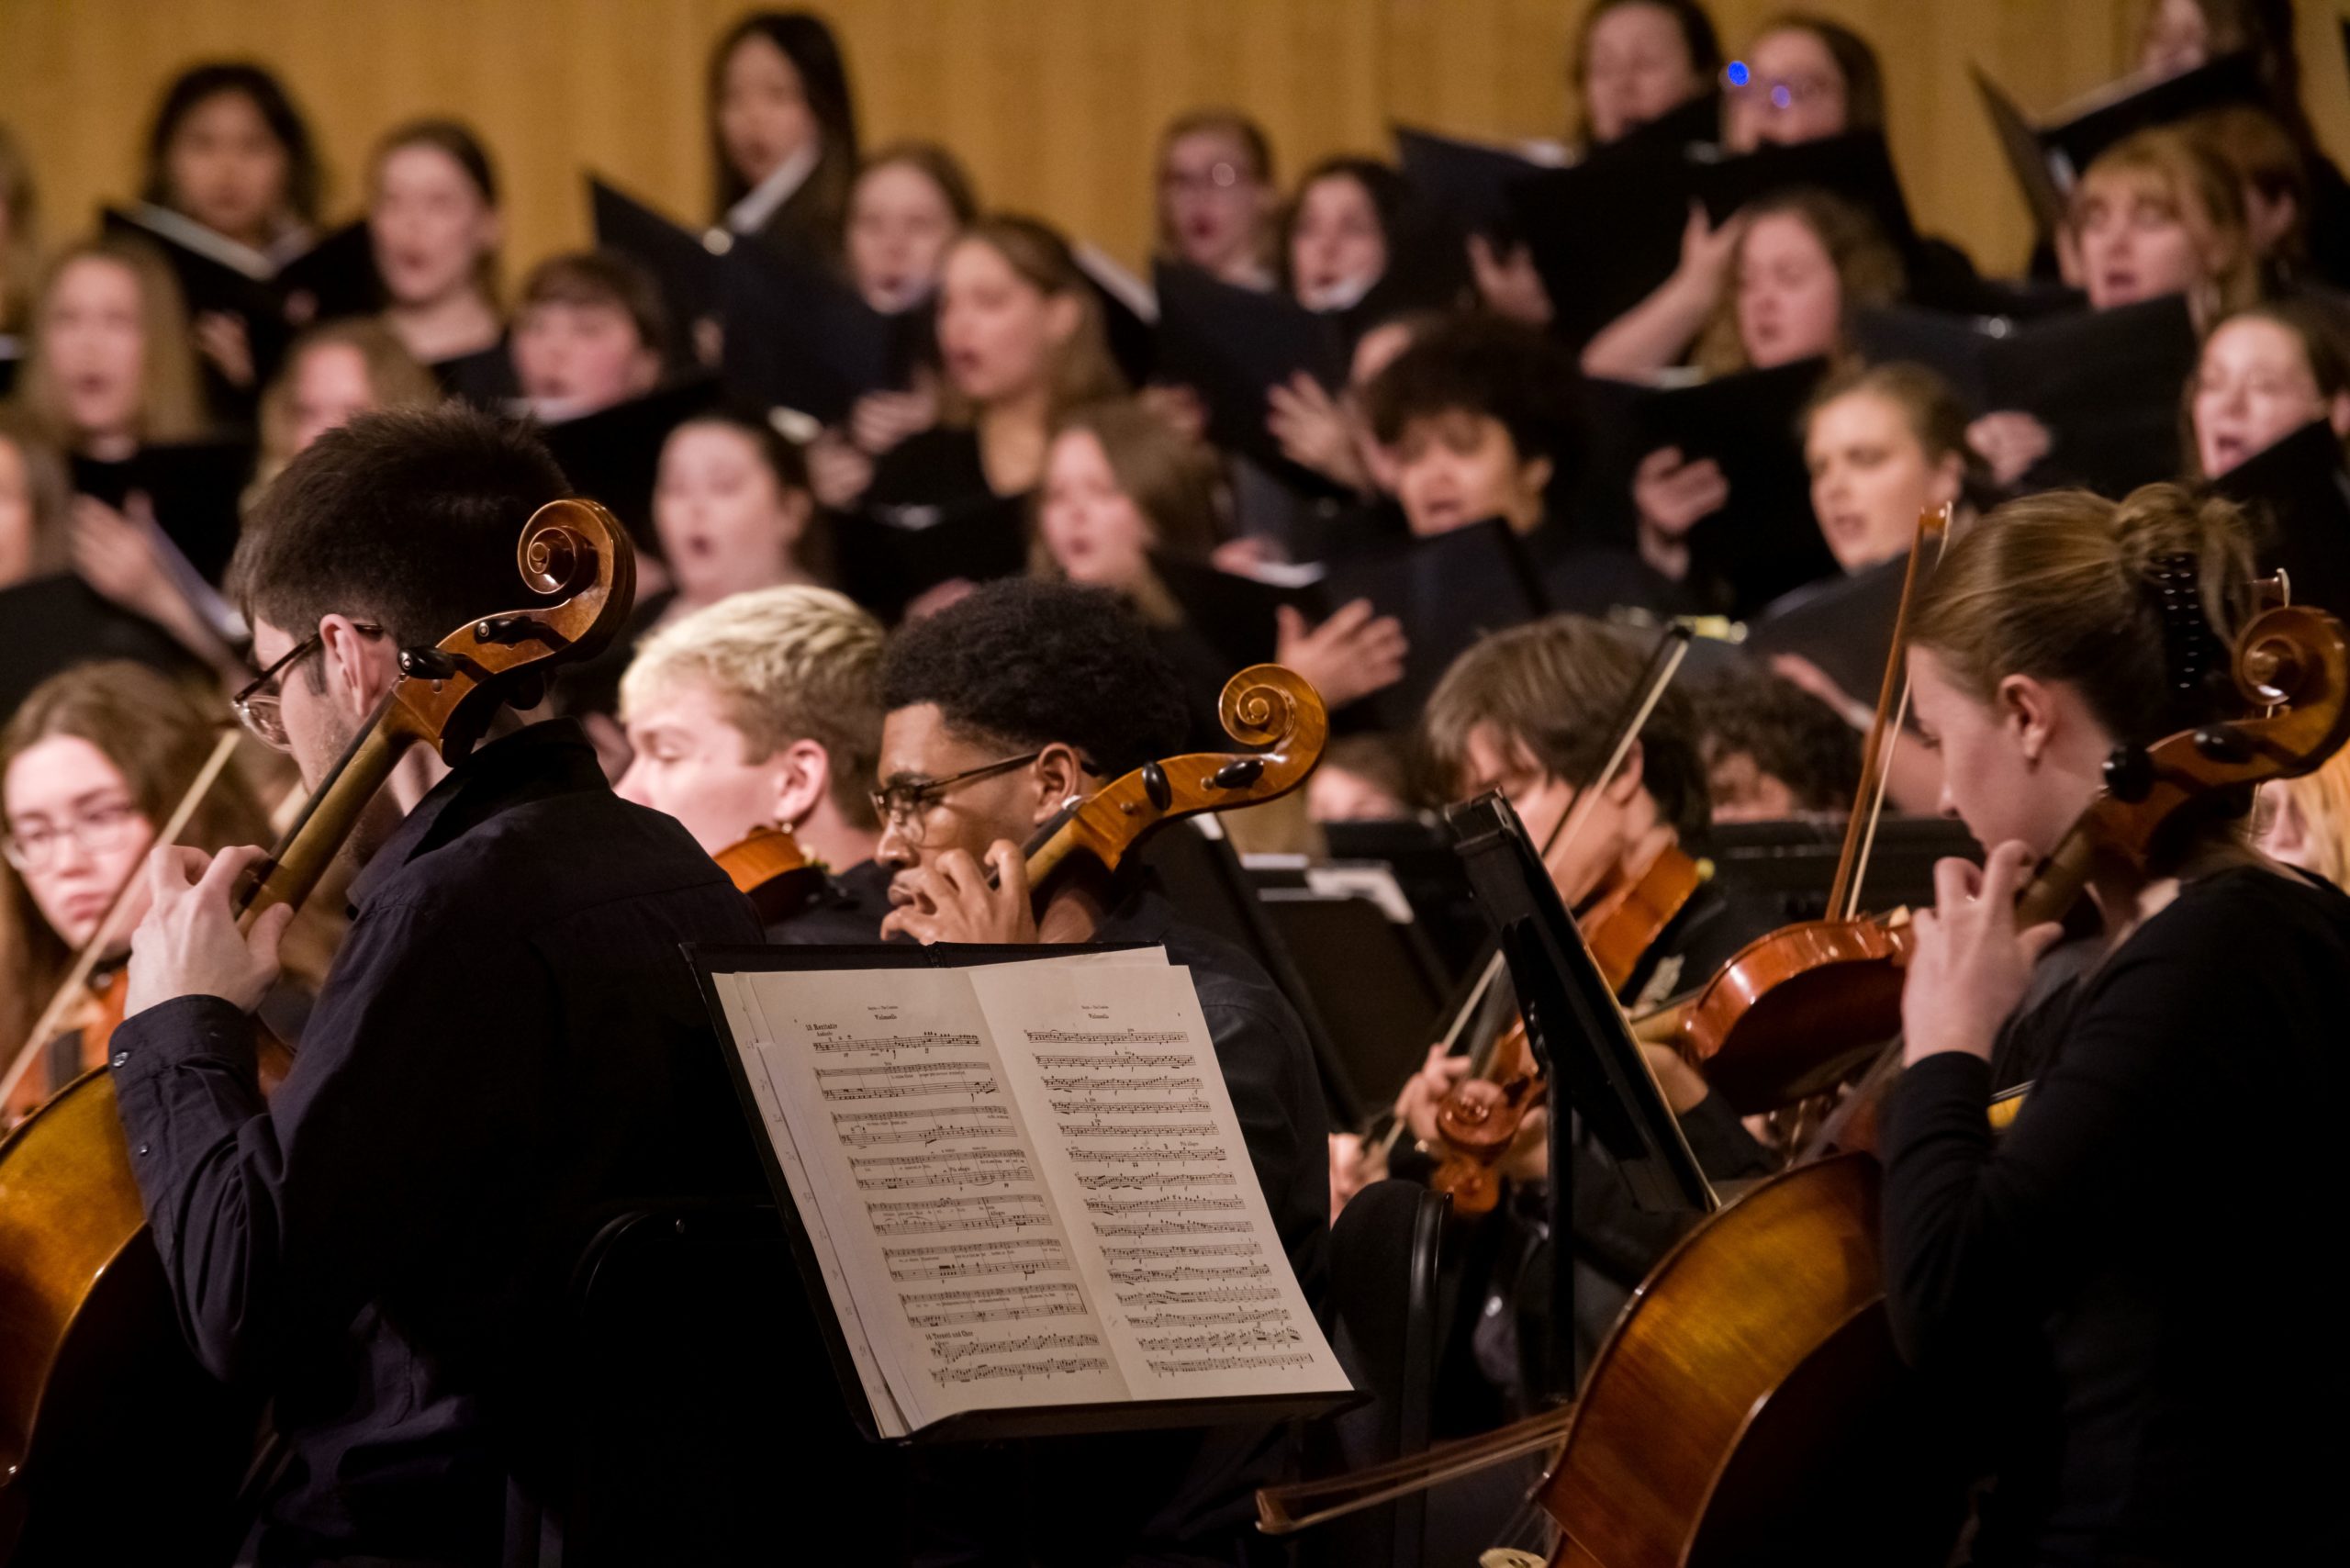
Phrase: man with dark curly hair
pixel 999 710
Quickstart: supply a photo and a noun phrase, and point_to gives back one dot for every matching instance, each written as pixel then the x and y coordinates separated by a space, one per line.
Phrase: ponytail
pixel 2068 586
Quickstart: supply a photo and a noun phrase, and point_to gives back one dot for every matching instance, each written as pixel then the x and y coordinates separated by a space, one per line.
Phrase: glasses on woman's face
pixel 98 830
pixel 260 705
pixel 903 804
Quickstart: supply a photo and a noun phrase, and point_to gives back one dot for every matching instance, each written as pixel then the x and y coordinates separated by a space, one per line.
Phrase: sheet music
pixel 1025 1185
pixel 1135 1131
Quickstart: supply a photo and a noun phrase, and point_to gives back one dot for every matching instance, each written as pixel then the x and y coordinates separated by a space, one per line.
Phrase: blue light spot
pixel 1738 74
pixel 1781 97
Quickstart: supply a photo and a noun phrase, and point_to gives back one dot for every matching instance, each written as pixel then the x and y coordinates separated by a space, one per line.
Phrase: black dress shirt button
pixel 142 1148
pixel 122 1059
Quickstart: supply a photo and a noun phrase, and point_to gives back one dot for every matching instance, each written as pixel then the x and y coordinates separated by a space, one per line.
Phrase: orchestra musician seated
pixel 507 1046
pixel 763 711
pixel 1528 712
pixel 999 711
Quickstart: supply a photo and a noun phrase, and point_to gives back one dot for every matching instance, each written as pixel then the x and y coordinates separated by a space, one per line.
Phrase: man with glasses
pixel 507 1045
pixel 998 712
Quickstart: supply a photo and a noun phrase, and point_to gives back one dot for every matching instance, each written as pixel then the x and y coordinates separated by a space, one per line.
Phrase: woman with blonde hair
pixel 352 367
pixel 107 366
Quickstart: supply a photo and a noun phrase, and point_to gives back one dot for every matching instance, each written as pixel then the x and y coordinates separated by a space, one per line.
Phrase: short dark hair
pixel 407 517
pixel 1027 664
pixel 1791 735
pixel 602 277
pixel 1482 364
pixel 199 83
pixel 1559 687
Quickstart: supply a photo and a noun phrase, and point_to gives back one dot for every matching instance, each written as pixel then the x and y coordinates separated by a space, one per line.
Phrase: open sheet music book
pixel 1025 1189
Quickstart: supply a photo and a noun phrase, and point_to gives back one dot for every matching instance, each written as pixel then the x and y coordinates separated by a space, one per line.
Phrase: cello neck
pixel 302 856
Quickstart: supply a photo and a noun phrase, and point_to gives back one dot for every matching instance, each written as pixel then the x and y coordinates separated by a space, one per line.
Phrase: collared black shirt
pixel 1165 1498
pixel 509 1044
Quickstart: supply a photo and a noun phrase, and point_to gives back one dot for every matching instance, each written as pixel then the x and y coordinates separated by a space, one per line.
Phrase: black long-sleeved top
pixel 2156 1226
pixel 508 1043
pixel 1162 1498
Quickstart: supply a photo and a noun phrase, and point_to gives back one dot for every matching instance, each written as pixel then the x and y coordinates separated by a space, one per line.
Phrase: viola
pixel 90 1344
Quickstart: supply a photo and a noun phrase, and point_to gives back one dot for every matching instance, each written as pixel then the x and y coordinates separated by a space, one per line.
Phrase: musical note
pixel 997 1304
pixel 928 1040
pixel 1087 1083
pixel 1048 1060
pixel 974 1260
pixel 1144 1108
pixel 1191 1271
pixel 958 1170
pixel 1169 1226
pixel 1093 1182
pixel 1189 1151
pixel 953 1350
pixel 1099 1128
pixel 1057 1367
pixel 1016 1210
pixel 1165 1203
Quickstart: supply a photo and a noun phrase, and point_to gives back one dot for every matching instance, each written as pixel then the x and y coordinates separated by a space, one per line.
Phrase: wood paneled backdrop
pixel 1052 103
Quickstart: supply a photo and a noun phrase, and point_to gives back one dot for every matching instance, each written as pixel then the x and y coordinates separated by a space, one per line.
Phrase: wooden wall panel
pixel 1054 103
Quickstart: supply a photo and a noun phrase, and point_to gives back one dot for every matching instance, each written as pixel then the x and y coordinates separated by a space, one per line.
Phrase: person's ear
pixel 644 370
pixel 358 668
pixel 1059 774
pixel 1629 780
pixel 797 509
pixel 1533 477
pixel 1063 314
pixel 2338 413
pixel 1949 480
pixel 489 229
pixel 803 772
pixel 2028 709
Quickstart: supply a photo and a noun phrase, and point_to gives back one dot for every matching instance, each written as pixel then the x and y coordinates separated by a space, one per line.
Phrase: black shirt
pixel 2153 1223
pixel 1166 1497
pixel 938 467
pixel 508 1043
pixel 836 910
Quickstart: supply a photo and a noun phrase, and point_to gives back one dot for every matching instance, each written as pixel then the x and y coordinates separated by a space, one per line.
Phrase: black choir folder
pixel 1016 1177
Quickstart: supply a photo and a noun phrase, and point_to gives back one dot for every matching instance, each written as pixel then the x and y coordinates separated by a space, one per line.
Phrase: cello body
pixel 98 1387
pixel 1733 1414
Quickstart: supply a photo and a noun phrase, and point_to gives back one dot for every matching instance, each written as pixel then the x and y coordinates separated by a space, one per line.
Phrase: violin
pixel 1620 920
pixel 1760 1341
pixel 768 866
pixel 90 1342
pixel 1620 923
pixel 1796 1011
pixel 98 1002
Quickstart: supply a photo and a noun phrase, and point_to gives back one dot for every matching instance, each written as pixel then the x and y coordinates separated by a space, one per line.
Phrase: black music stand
pixel 1578 1034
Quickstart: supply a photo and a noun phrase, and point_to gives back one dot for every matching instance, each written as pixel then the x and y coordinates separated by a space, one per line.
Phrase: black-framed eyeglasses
pixel 901 805
pixel 97 830
pixel 258 704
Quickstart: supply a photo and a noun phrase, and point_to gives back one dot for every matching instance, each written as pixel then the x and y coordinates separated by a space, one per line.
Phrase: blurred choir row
pixel 1694 362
